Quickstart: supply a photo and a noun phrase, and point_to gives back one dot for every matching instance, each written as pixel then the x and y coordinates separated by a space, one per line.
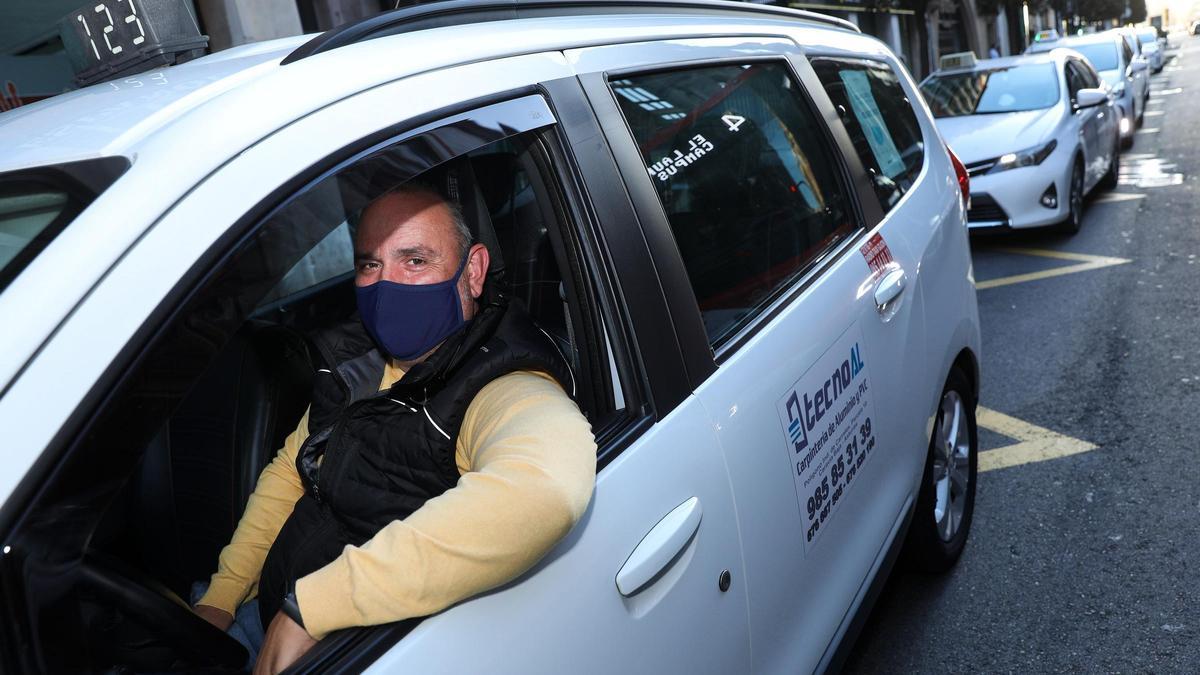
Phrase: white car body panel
pixel 978 137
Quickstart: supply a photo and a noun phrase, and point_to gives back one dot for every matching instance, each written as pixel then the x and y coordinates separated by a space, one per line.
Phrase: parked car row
pixel 1038 132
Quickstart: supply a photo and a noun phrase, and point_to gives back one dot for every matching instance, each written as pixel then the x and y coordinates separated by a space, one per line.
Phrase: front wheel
pixel 946 502
pixel 1109 182
pixel 1074 219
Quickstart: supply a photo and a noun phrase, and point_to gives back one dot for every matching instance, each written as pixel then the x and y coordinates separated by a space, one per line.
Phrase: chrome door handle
pixel 889 288
pixel 659 547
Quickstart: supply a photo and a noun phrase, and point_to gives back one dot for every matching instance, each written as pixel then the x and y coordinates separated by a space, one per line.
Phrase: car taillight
pixel 964 180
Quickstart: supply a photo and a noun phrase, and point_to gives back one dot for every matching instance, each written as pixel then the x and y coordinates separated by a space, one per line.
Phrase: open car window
pixel 148 494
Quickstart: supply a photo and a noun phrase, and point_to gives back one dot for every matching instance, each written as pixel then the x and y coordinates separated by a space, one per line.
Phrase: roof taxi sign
pixel 957 60
pixel 106 39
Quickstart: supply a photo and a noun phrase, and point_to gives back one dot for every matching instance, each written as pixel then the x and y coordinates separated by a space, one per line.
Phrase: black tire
pixel 1074 219
pixel 1127 142
pixel 1109 182
pixel 925 549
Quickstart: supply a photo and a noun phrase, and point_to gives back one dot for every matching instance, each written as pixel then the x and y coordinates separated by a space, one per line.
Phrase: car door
pixel 637 586
pixel 800 294
pixel 1108 130
pixel 1137 81
pixel 1086 123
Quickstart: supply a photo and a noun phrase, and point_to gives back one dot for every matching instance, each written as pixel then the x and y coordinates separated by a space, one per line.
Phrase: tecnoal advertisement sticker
pixel 827 420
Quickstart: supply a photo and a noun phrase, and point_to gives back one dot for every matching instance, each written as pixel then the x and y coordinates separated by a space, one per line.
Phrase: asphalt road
pixel 1091 562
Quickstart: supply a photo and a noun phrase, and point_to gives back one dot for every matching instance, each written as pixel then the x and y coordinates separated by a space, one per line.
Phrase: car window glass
pixel 1128 54
pixel 880 120
pixel 1091 79
pixel 749 187
pixel 1074 79
pixel 996 90
pixel 36 205
pixel 327 260
pixel 1103 55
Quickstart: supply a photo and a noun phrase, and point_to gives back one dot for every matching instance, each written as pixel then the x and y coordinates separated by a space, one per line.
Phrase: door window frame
pixel 854 181
pixel 64 455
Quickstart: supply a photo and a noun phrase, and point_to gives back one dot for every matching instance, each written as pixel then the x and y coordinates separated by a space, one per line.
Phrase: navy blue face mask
pixel 408 320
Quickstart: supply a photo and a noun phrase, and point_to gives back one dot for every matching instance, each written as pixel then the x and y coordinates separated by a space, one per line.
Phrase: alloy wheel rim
pixel 951 465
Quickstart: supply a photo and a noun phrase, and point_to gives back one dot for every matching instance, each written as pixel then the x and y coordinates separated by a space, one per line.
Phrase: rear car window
pixel 1103 55
pixel 748 182
pixel 880 120
pixel 996 90
pixel 38 204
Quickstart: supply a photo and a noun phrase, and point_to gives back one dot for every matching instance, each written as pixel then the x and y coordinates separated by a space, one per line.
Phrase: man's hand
pixel 283 645
pixel 217 617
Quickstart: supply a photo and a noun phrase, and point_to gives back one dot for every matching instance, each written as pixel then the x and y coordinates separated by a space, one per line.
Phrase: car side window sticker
pixel 748 184
pixel 827 418
pixel 862 102
pixel 879 120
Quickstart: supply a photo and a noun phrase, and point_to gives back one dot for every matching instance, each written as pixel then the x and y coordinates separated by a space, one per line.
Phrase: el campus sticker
pixel 826 417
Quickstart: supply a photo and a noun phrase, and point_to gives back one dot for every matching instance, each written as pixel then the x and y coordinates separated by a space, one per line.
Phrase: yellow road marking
pixel 1037 444
pixel 1086 262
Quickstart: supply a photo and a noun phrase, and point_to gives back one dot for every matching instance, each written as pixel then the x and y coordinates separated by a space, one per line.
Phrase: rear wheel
pixel 946 502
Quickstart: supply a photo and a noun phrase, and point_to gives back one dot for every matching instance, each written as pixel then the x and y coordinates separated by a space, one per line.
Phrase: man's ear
pixel 478 261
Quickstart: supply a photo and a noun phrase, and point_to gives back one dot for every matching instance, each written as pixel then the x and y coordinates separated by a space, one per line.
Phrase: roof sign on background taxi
pixel 957 60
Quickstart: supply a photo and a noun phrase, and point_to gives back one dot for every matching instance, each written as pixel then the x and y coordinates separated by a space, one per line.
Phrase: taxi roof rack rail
pixel 457 12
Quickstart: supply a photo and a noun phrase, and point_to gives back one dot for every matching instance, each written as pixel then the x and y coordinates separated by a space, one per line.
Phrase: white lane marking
pixel 1154 113
pixel 1147 131
pixel 1118 197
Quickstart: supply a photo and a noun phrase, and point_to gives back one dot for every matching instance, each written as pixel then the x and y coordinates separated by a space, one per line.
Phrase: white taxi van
pixel 738 222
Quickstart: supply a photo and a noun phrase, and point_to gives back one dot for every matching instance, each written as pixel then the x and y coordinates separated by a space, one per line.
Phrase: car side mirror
pixel 1138 65
pixel 1089 98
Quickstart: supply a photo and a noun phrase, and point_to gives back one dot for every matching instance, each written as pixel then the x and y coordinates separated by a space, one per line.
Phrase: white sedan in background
pixel 1152 49
pixel 1119 65
pixel 1036 133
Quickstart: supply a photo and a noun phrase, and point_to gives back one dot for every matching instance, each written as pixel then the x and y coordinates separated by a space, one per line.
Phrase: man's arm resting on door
pixel 528 463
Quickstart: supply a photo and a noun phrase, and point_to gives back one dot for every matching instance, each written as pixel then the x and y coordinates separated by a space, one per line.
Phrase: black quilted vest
pixel 382 454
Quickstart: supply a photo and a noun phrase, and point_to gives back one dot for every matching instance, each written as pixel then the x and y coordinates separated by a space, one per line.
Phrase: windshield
pixel 37 204
pixel 1000 90
pixel 1148 37
pixel 1103 55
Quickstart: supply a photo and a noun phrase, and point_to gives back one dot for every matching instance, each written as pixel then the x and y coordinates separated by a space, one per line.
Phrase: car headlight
pixel 1029 157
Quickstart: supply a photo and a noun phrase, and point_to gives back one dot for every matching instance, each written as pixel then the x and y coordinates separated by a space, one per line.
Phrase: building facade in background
pixel 33 65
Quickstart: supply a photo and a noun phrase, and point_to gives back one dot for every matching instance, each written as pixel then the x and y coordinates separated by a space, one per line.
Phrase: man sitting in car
pixel 440 456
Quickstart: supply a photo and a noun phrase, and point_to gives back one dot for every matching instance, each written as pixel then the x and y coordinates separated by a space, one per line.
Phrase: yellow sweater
pixel 527 461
